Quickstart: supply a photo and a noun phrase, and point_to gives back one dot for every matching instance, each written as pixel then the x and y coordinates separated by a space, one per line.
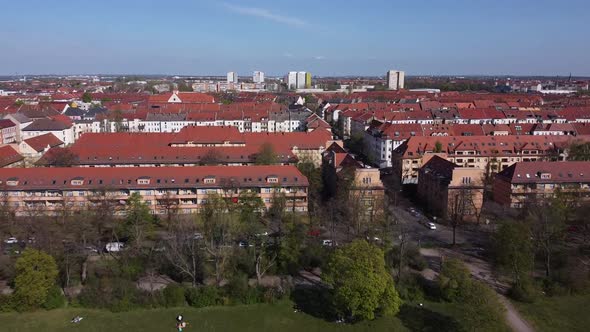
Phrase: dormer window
pixel 545 176
pixel 209 180
pixel 272 179
pixel 12 182
pixel 143 181
pixel 77 182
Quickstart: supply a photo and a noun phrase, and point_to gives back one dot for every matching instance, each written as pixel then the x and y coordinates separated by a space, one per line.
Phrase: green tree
pixel 266 155
pixel 438 147
pixel 513 250
pixel 454 280
pixel 361 285
pixel 138 219
pixel 36 274
pixel 579 151
pixel 87 97
pixel 60 157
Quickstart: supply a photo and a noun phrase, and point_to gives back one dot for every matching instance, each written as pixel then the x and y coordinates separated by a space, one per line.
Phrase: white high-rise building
pixel 258 77
pixel 301 77
pixel 232 77
pixel 291 80
pixel 395 79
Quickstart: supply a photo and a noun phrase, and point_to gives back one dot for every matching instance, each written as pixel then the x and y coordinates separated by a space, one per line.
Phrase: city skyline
pixel 205 38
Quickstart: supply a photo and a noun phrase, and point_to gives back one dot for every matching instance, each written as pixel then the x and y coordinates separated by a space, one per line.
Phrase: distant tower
pixel 258 77
pixel 395 79
pixel 232 77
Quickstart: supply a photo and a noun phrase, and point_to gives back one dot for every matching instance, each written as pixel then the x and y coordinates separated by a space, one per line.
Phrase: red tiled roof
pixel 9 156
pixel 558 172
pixel 41 142
pixel 161 177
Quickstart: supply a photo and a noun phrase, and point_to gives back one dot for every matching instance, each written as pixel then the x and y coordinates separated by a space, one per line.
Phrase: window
pixel 466 180
pixel 272 179
pixel 366 180
pixel 143 181
pixel 209 180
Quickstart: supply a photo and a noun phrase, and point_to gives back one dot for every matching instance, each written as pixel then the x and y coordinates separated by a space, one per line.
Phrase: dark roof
pixel 548 172
pixel 46 124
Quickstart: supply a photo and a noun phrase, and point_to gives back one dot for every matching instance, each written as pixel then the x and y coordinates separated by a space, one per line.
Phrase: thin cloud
pixel 266 14
pixel 319 57
pixel 288 55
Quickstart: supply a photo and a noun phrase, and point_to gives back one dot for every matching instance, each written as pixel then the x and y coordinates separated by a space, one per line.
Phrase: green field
pixel 564 313
pixel 263 317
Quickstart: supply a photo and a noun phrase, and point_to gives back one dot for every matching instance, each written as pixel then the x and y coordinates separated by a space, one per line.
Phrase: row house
pixel 31 191
pixel 490 153
pixel 532 182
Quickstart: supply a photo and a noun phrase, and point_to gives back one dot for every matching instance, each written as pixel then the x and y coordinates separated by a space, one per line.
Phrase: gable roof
pixel 41 142
pixel 9 156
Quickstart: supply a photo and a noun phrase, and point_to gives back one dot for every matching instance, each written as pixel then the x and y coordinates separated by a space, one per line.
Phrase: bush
pixel 239 292
pixel 202 297
pixel 115 294
pixel 174 295
pixel 55 299
pixel 410 289
pixel 6 303
pixel 524 292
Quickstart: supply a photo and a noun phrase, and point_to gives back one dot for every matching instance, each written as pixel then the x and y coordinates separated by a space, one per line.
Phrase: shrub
pixel 174 295
pixel 410 289
pixel 239 292
pixel 6 303
pixel 115 294
pixel 454 280
pixel 524 292
pixel 202 297
pixel 55 299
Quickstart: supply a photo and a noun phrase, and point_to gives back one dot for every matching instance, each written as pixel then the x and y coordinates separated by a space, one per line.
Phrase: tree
pixel 219 226
pixel 438 147
pixel 138 218
pixel 36 273
pixel 579 151
pixel 460 204
pixel 87 97
pixel 60 157
pixel 513 250
pixel 211 157
pixel 361 285
pixel 547 225
pixel 266 155
pixel 454 280
pixel 183 250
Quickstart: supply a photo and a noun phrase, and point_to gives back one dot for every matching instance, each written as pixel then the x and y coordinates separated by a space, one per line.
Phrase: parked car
pixel 114 246
pixel 197 236
pixel 11 240
pixel 327 243
pixel 430 225
pixel 245 244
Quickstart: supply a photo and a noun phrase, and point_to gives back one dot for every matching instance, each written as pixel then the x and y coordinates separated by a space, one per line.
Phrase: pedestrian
pixel 180 323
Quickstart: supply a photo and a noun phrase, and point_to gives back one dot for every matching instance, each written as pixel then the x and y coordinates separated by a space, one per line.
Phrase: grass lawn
pixel 564 313
pixel 263 317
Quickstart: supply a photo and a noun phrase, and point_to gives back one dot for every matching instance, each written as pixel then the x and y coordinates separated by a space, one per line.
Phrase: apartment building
pixel 491 153
pixel 51 190
pixel 447 189
pixel 533 181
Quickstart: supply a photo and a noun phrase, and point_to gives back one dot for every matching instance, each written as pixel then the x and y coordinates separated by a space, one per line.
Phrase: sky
pixel 325 37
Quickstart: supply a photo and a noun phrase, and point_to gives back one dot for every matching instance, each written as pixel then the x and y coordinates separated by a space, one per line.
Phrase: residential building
pixel 395 79
pixel 490 153
pixel 33 148
pixel 8 131
pixel 50 190
pixel 60 126
pixel 523 183
pixel 450 191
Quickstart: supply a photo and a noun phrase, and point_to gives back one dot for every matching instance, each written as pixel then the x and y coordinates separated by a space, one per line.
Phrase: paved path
pixel 480 270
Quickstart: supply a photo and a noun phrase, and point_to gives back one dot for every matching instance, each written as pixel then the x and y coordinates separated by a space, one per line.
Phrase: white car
pixel 114 246
pixel 11 240
pixel 431 225
pixel 327 243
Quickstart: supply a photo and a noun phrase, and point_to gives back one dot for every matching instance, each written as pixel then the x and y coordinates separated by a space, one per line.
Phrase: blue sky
pixel 326 37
